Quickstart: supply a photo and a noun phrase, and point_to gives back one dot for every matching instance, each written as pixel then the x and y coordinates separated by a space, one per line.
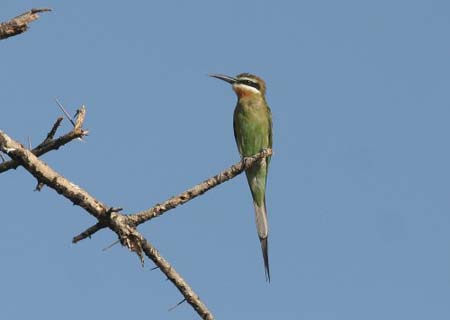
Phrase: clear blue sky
pixel 358 192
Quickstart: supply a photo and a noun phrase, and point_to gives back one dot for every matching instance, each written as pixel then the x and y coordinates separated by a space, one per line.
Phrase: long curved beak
pixel 223 77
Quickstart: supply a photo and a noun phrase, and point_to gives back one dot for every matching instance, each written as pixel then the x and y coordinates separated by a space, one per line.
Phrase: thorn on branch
pixel 113 210
pixel 65 112
pixel 111 245
pixel 39 186
pixel 122 225
pixel 179 303
pixel 78 122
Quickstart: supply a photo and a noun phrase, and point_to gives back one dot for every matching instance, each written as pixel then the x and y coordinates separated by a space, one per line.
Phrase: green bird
pixel 252 123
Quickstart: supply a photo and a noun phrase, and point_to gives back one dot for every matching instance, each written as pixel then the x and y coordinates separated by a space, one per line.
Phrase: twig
pixel 20 23
pixel 52 144
pixel 199 189
pixel 93 229
pixel 117 222
pixel 89 232
pixel 53 130
pixel 80 115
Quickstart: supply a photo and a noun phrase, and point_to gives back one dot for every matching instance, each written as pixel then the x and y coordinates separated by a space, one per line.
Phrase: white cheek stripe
pixel 246 87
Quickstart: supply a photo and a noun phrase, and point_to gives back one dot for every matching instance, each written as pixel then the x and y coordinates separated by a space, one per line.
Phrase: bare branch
pixel 49 143
pixel 117 222
pixel 199 189
pixel 20 23
pixel 124 226
pixel 182 198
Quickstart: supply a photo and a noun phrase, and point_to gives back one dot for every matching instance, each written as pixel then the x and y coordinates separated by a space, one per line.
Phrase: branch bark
pixel 118 223
pixel 49 143
pixel 160 208
pixel 20 23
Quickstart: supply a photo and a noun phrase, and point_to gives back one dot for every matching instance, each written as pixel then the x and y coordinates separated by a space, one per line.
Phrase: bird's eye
pixel 250 83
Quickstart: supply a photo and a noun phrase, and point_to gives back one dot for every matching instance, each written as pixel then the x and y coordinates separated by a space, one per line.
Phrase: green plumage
pixel 253 132
pixel 252 124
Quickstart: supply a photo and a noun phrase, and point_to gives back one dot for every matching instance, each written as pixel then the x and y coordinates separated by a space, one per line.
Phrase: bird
pixel 252 124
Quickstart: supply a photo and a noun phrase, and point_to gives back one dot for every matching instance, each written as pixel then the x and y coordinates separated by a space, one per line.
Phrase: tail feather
pixel 265 252
pixel 262 226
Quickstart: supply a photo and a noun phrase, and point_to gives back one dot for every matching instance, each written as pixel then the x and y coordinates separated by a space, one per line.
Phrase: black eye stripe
pixel 250 83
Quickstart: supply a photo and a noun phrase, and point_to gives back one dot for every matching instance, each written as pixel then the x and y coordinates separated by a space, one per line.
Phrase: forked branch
pixel 50 143
pixel 119 223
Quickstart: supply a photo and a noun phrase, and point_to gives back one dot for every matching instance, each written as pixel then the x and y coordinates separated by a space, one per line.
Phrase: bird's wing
pixel 270 133
pixel 236 133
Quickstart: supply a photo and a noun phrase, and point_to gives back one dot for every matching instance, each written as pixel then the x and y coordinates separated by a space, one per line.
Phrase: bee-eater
pixel 252 123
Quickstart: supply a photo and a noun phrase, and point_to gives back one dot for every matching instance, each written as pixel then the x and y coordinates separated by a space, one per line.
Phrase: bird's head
pixel 244 84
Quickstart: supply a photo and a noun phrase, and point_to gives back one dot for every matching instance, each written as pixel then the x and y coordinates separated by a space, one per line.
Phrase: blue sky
pixel 358 192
